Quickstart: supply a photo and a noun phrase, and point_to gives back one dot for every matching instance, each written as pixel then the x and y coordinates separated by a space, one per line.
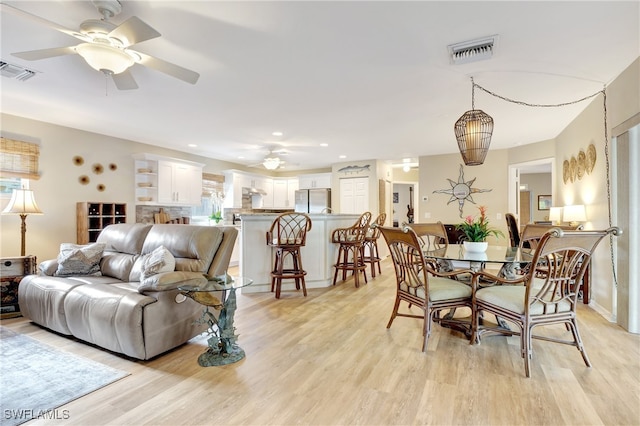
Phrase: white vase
pixel 475 247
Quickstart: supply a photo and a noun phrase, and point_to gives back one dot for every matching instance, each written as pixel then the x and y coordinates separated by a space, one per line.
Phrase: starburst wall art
pixel 461 190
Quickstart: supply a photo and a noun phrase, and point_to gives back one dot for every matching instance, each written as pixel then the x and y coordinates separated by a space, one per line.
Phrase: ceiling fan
pixel 272 160
pixel 106 46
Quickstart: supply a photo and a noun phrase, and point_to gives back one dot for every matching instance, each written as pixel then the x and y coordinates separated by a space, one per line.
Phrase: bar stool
pixel 371 253
pixel 287 234
pixel 351 249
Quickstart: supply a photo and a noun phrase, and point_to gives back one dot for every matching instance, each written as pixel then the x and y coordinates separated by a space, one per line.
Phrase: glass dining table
pixel 511 261
pixel 454 256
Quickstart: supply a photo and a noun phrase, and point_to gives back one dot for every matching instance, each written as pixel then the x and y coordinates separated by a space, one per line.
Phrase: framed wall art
pixel 544 202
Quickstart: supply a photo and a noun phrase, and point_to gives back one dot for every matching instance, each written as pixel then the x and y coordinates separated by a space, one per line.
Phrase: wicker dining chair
pixel 288 233
pixel 547 294
pixel 351 249
pixel 514 232
pixel 418 284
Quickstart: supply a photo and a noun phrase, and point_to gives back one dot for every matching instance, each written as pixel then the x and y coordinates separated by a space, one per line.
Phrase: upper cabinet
pixel 167 181
pixel 273 193
pixel 284 192
pixel 312 181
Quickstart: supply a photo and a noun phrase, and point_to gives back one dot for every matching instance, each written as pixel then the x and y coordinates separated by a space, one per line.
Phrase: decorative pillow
pixel 75 259
pixel 159 260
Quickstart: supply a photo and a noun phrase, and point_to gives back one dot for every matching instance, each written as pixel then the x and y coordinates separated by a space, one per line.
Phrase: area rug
pixel 36 379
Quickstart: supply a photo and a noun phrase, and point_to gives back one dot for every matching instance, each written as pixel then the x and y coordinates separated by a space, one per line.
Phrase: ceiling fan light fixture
pixel 271 163
pixel 102 57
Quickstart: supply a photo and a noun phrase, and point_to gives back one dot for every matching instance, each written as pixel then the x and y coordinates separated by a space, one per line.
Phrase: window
pixel 18 159
pixel 211 185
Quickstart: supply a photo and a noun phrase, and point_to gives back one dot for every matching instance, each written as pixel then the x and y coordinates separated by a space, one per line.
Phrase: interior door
pixel 354 195
pixel 525 208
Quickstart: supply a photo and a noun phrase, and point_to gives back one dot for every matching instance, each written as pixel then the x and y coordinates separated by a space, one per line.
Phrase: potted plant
pixel 476 231
pixel 216 206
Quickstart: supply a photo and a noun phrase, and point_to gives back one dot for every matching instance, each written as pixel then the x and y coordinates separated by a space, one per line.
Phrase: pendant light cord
pixel 606 150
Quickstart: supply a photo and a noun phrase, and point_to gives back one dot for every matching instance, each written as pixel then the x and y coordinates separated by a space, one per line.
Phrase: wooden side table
pixel 12 270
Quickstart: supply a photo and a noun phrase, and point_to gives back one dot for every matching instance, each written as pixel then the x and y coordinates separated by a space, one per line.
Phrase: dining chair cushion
pixel 511 297
pixel 440 289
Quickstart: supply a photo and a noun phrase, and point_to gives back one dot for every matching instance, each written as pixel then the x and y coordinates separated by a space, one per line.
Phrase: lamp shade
pixel 555 214
pixel 105 58
pixel 22 202
pixel 473 132
pixel 574 214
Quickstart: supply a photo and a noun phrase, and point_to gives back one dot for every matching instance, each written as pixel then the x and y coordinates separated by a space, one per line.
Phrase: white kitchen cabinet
pixel 233 184
pixel 179 183
pixel 266 185
pixel 167 181
pixel 234 181
pixel 312 181
pixel 284 192
pixel 292 186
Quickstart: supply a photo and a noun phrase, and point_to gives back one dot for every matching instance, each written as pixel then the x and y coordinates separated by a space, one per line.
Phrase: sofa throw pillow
pixel 159 260
pixel 75 259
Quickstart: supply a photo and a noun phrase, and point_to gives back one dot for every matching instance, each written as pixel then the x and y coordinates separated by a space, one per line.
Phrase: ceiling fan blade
pixel 133 31
pixel 34 55
pixel 124 81
pixel 57 27
pixel 168 68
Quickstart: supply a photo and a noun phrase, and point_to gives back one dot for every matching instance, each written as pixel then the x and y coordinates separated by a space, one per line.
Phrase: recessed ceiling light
pixel 277 133
pixel 342 156
pixel 241 157
pixel 324 144
pixel 192 145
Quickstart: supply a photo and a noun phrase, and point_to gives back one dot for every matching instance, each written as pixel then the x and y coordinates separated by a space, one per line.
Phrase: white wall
pixel 623 102
pixel 58 188
pixel 435 172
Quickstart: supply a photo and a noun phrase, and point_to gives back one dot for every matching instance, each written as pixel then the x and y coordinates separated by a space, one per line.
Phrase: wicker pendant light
pixel 473 131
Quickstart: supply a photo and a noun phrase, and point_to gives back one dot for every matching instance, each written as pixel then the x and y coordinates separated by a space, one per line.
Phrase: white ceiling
pixel 370 79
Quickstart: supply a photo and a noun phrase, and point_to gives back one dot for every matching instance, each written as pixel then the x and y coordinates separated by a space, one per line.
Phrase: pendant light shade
pixel 473 131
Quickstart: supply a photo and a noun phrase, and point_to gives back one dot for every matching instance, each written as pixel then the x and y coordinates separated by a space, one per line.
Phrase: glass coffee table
pixel 222 348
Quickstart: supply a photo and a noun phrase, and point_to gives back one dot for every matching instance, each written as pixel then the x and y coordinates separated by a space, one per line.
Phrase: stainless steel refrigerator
pixel 313 200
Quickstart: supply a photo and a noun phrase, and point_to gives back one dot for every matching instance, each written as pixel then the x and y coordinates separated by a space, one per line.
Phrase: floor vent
pixel 15 71
pixel 473 50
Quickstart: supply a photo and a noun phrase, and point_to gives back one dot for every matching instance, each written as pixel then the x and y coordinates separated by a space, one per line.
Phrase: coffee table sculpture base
pixel 212 358
pixel 222 339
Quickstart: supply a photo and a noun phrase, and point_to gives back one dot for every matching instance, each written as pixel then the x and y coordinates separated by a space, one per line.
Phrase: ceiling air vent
pixel 15 71
pixel 473 50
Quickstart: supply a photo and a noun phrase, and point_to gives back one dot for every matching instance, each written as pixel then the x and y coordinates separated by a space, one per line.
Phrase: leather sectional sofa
pixel 122 309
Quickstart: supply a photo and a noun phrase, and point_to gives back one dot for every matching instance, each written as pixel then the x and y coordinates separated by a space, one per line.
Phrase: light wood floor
pixel 328 359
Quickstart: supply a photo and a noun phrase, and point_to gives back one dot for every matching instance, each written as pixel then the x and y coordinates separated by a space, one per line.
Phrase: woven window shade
pixel 211 184
pixel 19 159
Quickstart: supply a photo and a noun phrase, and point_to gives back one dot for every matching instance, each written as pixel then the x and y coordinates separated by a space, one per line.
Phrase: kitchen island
pixel 318 255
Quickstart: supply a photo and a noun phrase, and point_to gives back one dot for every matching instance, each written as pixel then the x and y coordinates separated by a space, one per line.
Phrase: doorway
pixel 404 197
pixel 544 184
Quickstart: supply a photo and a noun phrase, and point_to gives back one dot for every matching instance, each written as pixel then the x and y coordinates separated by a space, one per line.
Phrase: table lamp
pixel 22 203
pixel 574 214
pixel 555 215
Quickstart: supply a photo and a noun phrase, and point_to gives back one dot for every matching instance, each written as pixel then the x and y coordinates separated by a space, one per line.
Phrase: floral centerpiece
pixel 477 230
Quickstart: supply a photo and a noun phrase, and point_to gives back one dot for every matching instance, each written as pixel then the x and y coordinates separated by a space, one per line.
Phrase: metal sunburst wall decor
pixel 461 190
